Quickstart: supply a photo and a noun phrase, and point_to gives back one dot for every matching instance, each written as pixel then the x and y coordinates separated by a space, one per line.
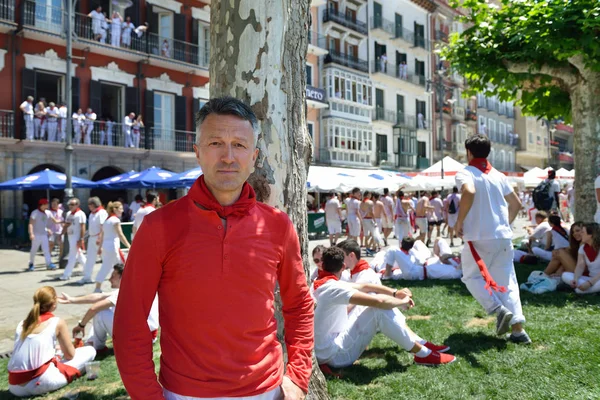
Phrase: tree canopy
pixel 544 49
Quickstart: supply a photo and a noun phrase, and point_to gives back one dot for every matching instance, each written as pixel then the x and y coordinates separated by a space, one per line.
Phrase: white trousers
pixel 102 35
pixel 402 228
pixel 75 256
pixel 92 255
pixel 439 270
pixel 452 219
pixel 136 140
pixel 88 128
pixel 115 37
pixel 110 258
pixel 40 240
pixel 568 277
pixel 39 128
pixel 363 324
pixel 102 328
pixel 106 137
pixel 128 140
pixel 274 394
pixel 353 226
pixel 334 227
pixel 443 247
pixel 28 126
pixel 62 124
pixel 52 379
pixel 545 255
pixel 498 257
pixel 518 255
pixel 78 129
pixel 52 129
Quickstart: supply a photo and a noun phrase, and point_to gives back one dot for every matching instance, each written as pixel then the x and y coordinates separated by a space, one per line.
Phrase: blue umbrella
pixel 105 183
pixel 182 180
pixel 45 180
pixel 149 178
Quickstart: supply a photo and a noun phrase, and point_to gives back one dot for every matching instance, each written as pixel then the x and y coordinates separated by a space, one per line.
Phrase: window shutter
pixel 181 138
pixel 74 94
pixel 196 108
pixel 95 98
pixel 180 44
pixel 194 48
pixel 28 84
pixel 149 119
pixel 132 104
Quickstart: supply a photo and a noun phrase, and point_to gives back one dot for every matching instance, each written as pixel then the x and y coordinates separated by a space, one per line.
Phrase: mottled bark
pixel 258 53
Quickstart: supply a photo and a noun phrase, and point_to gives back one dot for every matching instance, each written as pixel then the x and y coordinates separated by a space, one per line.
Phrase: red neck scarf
pixel 360 266
pixel 404 251
pixel 201 195
pixel 321 274
pixel 561 231
pixel 97 209
pixel 113 215
pixel 45 317
pixel 481 164
pixel 327 276
pixel 76 210
pixel 590 252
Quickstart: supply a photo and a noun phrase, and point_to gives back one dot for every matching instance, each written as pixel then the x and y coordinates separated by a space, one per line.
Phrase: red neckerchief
pixel 481 164
pixel 360 266
pixel 76 210
pixel 200 194
pixel 561 231
pixel 45 317
pixel 590 252
pixel 404 251
pixel 327 276
pixel 321 274
pixel 112 215
pixel 98 209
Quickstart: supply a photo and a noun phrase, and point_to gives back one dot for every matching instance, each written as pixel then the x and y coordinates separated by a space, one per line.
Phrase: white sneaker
pixel 84 281
pixel 98 290
pixel 64 278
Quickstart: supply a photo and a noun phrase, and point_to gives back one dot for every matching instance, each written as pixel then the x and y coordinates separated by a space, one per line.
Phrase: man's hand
pixel 290 391
pixel 77 330
pixel 408 303
pixel 402 293
pixel 64 298
pixel 458 228
pixel 31 237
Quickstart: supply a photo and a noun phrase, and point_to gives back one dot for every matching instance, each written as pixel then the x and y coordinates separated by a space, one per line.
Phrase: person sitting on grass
pixel 587 258
pixel 442 250
pixel 537 234
pixel 360 270
pixel 341 337
pixel 557 238
pixel 565 260
pixel 34 367
pixel 102 312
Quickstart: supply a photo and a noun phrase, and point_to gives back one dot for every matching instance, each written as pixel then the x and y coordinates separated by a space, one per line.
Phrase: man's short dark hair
pixel 551 174
pixel 366 193
pixel 400 193
pixel 541 214
pixel 478 145
pixel 434 193
pixel 350 246
pixel 332 194
pixel 333 260
pixel 151 196
pixel 119 268
pixel 228 105
pixel 319 248
pixel 375 196
pixel 355 190
pixel 454 189
pixel 554 220
pixel 138 197
pixel 407 243
pixel 386 191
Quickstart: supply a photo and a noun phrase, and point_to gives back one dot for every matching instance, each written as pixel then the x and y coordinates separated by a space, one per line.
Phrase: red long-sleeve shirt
pixel 216 304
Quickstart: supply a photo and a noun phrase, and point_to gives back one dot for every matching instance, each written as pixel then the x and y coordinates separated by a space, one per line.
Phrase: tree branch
pixel 577 62
pixel 560 74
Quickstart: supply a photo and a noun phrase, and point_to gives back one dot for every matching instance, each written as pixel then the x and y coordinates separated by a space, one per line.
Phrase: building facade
pixel 561 145
pixel 497 119
pixel 533 148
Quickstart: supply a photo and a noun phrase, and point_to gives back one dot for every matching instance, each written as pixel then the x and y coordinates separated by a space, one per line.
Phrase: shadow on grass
pixel 466 344
pixel 360 374
pixel 74 393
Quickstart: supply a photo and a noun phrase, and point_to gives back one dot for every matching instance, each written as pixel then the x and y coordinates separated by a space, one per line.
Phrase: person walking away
pixel 146 208
pixel 354 216
pixel 38 234
pixel 75 224
pixel 488 206
pixel 55 228
pixel 221 223
pixel 27 109
pixel 97 217
pixel 388 218
pixel 333 218
pixel 110 238
pixel 34 367
pixel 452 209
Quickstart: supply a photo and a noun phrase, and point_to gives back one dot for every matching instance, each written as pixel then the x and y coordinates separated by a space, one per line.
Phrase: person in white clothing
pixel 97 217
pixel 553 191
pixel 106 134
pixel 34 367
pixel 423 213
pixel 360 270
pixel 127 28
pixel 597 190
pixel 488 206
pixel 387 223
pixel 354 217
pixel 556 238
pixel 146 208
pixel 438 212
pixel 537 235
pixel 97 19
pixel 109 239
pixel 55 226
pixel 136 130
pixel 27 109
pixel 116 23
pixel 78 125
pixel 75 225
pixel 318 272
pixel 452 207
pixel 127 123
pixel 39 126
pixel 90 120
pixel 586 258
pixel 333 218
pixel 62 122
pixel 402 209
pixel 102 312
pixel 38 234
pixel 135 205
pixel 341 337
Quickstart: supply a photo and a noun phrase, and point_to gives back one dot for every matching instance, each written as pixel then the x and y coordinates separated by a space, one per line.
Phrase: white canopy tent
pixel 451 167
pixel 335 179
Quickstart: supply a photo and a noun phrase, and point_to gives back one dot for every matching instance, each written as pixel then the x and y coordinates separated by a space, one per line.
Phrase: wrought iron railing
pixel 347 60
pixel 400 71
pixel 7 124
pixel 345 20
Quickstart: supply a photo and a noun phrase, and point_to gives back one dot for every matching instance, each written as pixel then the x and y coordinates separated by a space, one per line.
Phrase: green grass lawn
pixel 562 363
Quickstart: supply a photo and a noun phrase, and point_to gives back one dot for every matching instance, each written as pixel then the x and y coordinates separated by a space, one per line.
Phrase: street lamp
pixel 69 93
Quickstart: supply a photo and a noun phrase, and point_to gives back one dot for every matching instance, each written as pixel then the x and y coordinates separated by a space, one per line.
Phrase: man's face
pixel 115 280
pixel 350 260
pixel 89 110
pixel 318 259
pixel 226 152
pixel 357 195
pixel 44 207
pixel 55 205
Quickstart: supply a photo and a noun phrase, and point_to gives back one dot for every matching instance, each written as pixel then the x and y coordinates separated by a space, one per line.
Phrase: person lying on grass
pixel 587 258
pixel 341 337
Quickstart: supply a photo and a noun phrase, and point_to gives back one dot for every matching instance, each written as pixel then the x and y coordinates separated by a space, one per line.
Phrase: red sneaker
pixel 434 347
pixel 435 358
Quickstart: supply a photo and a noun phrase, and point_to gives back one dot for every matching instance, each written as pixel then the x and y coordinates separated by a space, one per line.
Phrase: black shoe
pixel 503 321
pixel 521 339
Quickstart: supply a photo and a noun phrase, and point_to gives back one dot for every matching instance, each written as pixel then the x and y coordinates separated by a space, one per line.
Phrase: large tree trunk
pixel 585 101
pixel 258 53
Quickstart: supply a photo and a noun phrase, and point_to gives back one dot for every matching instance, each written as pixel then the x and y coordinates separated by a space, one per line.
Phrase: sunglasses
pixel 317 260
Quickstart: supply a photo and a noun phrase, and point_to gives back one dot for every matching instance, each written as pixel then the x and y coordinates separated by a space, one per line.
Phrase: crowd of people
pixel 120 30
pixel 47 121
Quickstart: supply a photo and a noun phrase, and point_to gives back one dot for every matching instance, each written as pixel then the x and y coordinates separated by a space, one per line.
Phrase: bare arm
pixel 30 228
pixel 379 301
pixel 86 299
pixel 466 202
pixel 598 195
pixel 579 268
pixel 64 340
pixel 122 236
pixel 82 232
pixel 514 205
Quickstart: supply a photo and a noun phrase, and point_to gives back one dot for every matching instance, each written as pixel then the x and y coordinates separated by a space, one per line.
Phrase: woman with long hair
pixel 109 239
pixel 34 367
pixel 565 259
pixel 587 258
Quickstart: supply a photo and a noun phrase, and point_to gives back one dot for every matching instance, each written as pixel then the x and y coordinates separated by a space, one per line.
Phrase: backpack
pixel 541 196
pixel 452 206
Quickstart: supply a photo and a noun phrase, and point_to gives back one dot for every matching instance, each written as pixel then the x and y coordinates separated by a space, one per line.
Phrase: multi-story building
pixel 497 119
pixel 161 75
pixel 533 143
pixel 561 146
pixel 399 48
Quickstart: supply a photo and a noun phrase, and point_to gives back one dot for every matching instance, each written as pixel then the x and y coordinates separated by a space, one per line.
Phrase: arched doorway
pixel 106 195
pixel 31 197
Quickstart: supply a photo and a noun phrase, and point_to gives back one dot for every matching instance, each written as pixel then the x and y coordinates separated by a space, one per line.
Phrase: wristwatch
pixel 80 324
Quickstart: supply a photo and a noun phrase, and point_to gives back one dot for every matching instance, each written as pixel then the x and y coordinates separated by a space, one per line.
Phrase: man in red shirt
pixel 214 257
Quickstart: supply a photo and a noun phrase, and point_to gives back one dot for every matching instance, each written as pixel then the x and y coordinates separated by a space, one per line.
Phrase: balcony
pixel 347 61
pixel 441 36
pixel 471 115
pixel 491 104
pixel 7 124
pixel 317 44
pixel 510 112
pixel 422 163
pixel 406 161
pixel 342 19
pixel 412 121
pixel 381 114
pixel 411 38
pixel 378 22
pixel 383 158
pixel 7 15
pixel 458 113
pixel 399 72
pixel 43 19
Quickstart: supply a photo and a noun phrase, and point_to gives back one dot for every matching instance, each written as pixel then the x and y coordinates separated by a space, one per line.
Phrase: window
pixel 502 132
pixel 530 135
pixel 342 85
pixel 48 15
pixel 164 120
pixel 309 74
pixel 539 140
pixel 204 44
pixel 310 127
pixel 165 34
pixel 349 142
pixel 546 142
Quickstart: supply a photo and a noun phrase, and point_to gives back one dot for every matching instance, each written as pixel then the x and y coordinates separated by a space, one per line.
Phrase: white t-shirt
pixel 540 231
pixel 109 230
pixel 488 217
pixel 36 349
pixel 331 209
pixel 51 113
pixel 140 214
pixel 331 316
pixel 406 262
pixel 558 241
pixel 134 207
pixel 76 220
pixel 554 188
pixel 388 207
pixel 62 112
pixel 90 118
pixel 353 208
pixel 40 221
pixel 366 276
pixel 28 107
pixel 593 267
pixel 96 220
pixel 438 208
pixel 97 17
pixel 455 198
